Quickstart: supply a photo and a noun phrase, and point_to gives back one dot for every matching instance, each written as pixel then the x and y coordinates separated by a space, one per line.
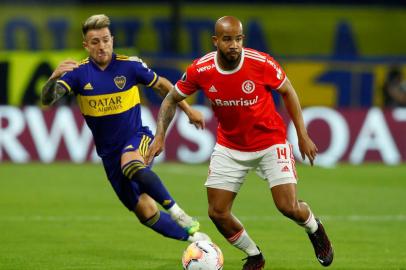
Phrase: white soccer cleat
pixel 191 225
pixel 199 236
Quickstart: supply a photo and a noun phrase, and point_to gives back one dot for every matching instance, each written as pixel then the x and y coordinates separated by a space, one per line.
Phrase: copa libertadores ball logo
pixel 248 87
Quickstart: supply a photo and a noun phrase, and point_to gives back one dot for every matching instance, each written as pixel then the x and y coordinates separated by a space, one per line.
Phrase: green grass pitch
pixel 66 216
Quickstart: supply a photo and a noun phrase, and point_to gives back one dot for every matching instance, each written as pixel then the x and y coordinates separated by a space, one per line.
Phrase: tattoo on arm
pixel 166 114
pixel 51 92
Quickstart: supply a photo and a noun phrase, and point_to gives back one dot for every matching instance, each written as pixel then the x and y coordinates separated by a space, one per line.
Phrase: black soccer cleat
pixel 256 262
pixel 322 246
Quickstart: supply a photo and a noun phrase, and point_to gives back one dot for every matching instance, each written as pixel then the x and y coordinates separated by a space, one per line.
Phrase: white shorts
pixel 229 167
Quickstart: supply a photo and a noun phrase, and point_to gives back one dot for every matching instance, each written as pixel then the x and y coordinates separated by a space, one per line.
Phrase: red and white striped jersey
pixel 241 98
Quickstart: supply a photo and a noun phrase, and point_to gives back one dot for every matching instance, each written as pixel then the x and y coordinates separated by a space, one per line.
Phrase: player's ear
pixel 214 39
pixel 84 43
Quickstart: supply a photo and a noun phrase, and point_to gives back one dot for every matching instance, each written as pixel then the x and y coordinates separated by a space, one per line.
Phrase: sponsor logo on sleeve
pixel 205 68
pixel 277 69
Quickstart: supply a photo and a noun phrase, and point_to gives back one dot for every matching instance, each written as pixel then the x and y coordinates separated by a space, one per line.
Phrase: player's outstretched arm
pixel 291 100
pixel 165 116
pixel 52 91
pixel 163 87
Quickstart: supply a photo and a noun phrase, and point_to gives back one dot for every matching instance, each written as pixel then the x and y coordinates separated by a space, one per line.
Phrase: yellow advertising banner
pixel 317 82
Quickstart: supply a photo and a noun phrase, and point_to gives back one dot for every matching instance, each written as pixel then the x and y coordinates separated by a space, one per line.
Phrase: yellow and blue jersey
pixel 109 99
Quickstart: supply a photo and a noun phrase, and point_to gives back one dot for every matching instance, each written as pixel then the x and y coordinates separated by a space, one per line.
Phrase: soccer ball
pixel 202 255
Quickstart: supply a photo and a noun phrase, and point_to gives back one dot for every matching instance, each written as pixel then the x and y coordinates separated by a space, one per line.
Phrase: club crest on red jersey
pixel 248 86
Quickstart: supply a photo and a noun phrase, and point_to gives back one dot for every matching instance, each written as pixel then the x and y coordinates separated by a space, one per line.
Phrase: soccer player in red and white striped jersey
pixel 251 135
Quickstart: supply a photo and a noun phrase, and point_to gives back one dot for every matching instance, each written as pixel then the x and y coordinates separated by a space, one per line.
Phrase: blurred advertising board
pixel 318 82
pixel 335 56
pixel 290 30
pixel 60 134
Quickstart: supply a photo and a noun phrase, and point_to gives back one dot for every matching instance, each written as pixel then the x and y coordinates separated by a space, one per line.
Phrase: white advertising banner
pixel 60 134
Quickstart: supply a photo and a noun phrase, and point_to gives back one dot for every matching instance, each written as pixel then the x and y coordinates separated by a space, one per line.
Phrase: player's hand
pixel 307 148
pixel 196 118
pixel 156 148
pixel 65 66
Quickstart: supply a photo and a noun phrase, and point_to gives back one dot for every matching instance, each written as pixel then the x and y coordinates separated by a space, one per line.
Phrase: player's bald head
pixel 227 24
pixel 228 40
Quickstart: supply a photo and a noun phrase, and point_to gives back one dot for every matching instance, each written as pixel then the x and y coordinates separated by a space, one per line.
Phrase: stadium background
pixel 337 53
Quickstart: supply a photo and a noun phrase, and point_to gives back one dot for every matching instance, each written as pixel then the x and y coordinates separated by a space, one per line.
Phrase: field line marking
pixel 62 218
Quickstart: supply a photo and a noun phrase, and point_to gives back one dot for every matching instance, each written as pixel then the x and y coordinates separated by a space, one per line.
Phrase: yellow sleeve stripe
pixel 64 84
pixel 153 80
pixel 84 61
pixel 122 57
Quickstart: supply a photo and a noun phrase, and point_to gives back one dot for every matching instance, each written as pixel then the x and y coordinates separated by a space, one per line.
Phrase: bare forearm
pixel 162 91
pixel 164 88
pixel 294 109
pixel 184 106
pixel 306 145
pixel 165 115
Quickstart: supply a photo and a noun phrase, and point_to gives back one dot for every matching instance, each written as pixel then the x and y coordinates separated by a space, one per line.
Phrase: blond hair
pixel 98 21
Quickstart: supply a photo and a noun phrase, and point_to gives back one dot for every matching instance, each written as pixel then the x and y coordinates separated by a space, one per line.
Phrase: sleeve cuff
pixel 154 80
pixel 280 85
pixel 64 84
pixel 180 92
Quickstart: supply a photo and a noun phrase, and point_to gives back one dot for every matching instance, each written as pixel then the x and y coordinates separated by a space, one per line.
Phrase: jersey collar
pixel 113 60
pixel 222 71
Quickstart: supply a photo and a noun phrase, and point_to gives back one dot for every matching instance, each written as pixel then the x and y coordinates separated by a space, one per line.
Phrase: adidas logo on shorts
pixel 285 169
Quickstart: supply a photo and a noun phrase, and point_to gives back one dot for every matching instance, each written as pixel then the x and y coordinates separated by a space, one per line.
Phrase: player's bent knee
pixel 218 215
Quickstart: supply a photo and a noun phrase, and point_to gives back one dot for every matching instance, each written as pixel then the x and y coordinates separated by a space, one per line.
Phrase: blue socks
pixel 149 182
pixel 162 223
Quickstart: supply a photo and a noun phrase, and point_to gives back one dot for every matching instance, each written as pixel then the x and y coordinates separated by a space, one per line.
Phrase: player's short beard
pixel 229 62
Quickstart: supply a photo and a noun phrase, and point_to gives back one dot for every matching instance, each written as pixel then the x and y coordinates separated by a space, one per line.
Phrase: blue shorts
pixel 127 191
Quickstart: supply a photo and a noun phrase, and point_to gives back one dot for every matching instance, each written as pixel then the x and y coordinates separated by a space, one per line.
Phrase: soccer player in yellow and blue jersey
pixel 105 85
